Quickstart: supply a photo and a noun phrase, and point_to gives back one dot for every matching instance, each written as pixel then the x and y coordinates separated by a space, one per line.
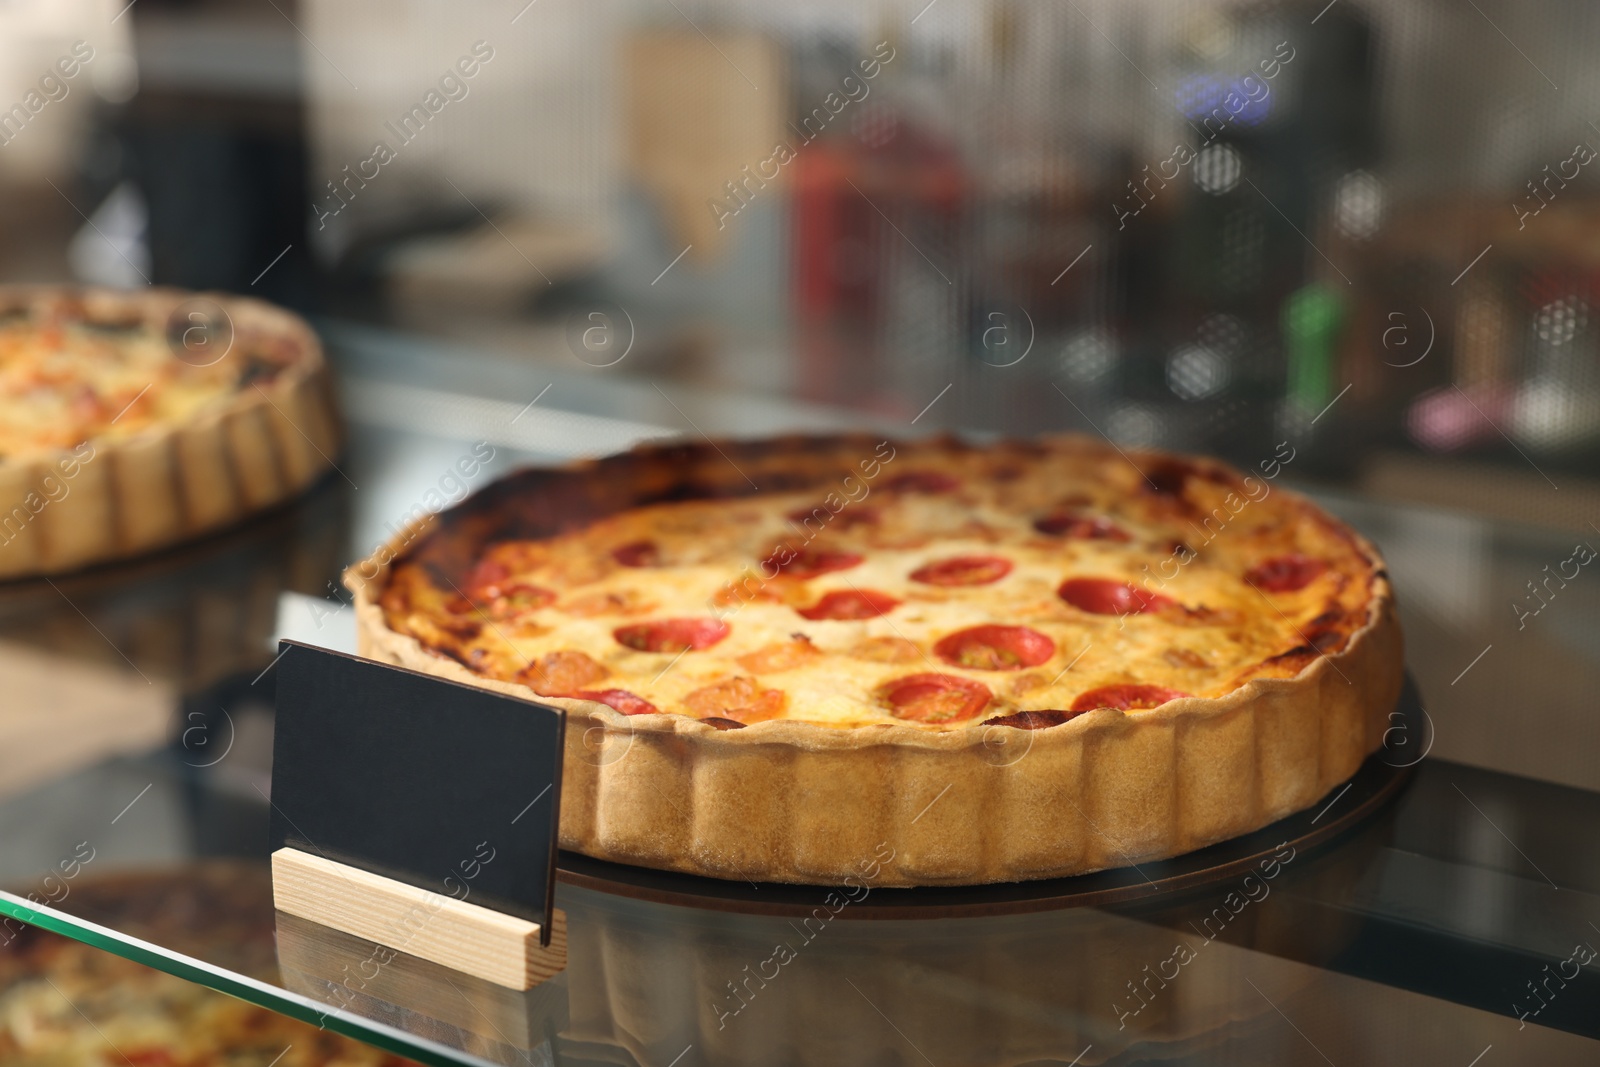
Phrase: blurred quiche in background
pixel 132 420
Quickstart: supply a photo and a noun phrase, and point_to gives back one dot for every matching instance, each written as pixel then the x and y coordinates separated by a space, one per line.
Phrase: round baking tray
pixel 1380 779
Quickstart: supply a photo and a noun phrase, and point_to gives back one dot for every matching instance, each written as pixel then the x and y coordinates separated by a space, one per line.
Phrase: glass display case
pixel 537 231
pixel 1454 921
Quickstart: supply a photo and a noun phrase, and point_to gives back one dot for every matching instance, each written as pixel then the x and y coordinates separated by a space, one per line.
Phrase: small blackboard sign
pixel 446 787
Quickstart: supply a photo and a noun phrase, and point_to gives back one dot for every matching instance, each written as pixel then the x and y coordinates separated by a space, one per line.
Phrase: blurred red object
pixel 859 210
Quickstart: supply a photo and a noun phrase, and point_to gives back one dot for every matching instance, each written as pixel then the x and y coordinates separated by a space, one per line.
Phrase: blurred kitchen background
pixel 1367 228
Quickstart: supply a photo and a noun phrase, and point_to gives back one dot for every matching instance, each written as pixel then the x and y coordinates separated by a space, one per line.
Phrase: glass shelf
pixel 1418 907
pixel 1414 938
pixel 194 969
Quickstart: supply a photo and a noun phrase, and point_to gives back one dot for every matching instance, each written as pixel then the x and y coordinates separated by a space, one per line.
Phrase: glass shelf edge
pixel 249 990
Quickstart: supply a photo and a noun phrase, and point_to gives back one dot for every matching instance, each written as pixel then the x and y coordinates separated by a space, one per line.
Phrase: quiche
pixel 133 420
pixel 785 660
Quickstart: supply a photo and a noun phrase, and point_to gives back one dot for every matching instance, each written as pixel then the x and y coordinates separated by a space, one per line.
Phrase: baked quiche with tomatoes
pixel 1011 661
pixel 133 420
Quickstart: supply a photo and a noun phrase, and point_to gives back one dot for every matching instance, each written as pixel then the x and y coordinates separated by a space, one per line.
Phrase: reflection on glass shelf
pixel 1419 925
pixel 416 995
pixel 187 905
pixel 67 1002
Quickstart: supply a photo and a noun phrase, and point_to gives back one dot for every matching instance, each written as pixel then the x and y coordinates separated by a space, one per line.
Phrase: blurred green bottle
pixel 1313 318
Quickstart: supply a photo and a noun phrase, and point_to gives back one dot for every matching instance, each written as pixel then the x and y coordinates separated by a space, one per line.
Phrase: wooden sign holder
pixel 378 774
pixel 466 937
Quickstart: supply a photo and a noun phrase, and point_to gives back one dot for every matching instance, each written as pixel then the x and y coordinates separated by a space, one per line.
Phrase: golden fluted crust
pixel 129 495
pixel 788 801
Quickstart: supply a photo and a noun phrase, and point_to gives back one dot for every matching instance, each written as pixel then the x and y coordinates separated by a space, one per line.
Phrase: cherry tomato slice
pixel 1107 596
pixel 638 554
pixel 934 698
pixel 619 700
pixel 672 635
pixel 963 570
pixel 1127 697
pixel 1285 574
pixel 851 604
pixel 485 579
pixel 995 648
pixel 810 562
pixel 1082 528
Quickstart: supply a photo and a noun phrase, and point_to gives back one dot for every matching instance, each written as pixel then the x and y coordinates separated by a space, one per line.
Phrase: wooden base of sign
pixel 491 945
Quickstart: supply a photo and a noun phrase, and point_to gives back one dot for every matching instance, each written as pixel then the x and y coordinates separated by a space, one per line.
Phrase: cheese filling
pixel 974 593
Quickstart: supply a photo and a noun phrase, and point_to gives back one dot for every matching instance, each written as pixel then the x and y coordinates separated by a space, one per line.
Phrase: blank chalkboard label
pixel 446 787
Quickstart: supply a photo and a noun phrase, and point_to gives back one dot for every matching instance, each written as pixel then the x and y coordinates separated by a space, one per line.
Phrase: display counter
pixel 1452 923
